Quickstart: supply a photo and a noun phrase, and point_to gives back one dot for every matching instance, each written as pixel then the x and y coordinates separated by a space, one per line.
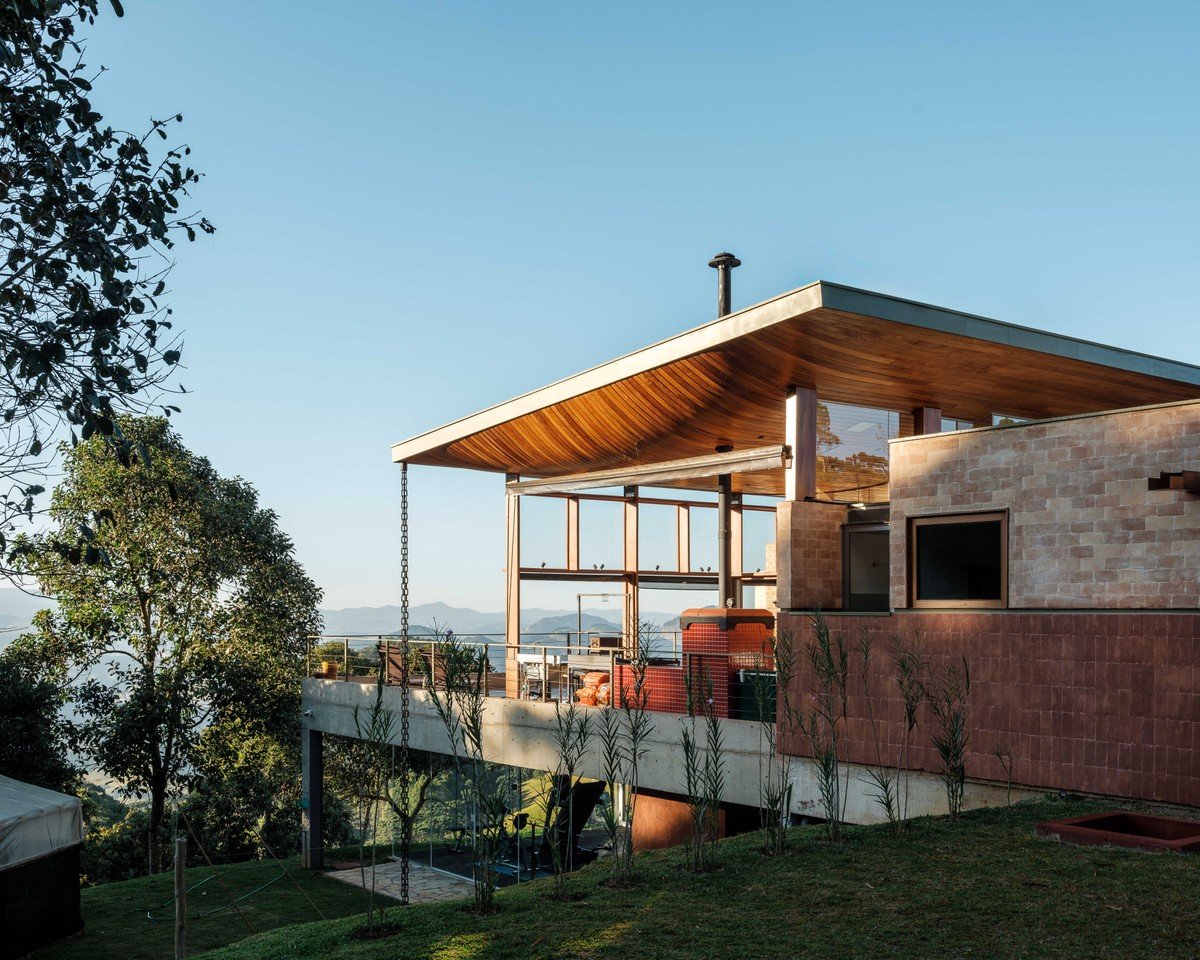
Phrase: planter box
pixel 1122 829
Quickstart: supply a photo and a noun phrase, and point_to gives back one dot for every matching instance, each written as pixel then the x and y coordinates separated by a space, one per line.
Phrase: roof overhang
pixel 723 384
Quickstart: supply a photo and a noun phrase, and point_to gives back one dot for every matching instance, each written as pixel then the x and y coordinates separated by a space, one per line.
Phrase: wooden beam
pixel 691 468
pixel 572 533
pixel 801 436
pixel 512 592
pixel 927 420
pixel 631 564
pixel 683 538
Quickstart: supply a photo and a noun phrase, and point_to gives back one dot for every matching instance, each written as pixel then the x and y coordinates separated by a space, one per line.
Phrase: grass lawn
pixel 116 926
pixel 984 886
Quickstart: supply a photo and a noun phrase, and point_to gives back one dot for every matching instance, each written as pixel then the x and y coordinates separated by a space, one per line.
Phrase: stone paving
pixel 425 885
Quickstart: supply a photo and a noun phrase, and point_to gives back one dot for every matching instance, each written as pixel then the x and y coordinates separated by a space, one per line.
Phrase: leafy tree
pixel 35 739
pixel 190 624
pixel 89 214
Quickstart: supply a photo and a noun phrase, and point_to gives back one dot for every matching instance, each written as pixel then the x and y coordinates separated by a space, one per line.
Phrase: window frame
pixel 988 516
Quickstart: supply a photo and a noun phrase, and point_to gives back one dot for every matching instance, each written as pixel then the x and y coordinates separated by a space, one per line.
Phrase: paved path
pixel 425 885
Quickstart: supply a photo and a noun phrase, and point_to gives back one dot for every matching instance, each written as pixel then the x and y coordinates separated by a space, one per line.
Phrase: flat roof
pixel 723 382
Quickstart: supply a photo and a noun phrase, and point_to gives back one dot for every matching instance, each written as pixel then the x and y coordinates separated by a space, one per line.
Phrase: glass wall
pixel 852 452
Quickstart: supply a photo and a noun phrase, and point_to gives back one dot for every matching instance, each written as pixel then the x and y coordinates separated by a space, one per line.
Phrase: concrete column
pixel 801 436
pixel 312 786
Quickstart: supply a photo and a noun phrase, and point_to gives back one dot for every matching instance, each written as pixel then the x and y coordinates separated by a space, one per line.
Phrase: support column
pixel 725 595
pixel 683 538
pixel 512 590
pixel 736 559
pixel 927 420
pixel 312 784
pixel 630 565
pixel 572 533
pixel 801 436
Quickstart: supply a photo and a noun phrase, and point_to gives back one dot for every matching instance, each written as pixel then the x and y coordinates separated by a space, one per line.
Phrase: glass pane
pixel 959 561
pixel 867 570
pixel 852 452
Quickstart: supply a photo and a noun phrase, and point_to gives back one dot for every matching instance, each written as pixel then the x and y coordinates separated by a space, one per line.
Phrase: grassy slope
pixel 116 926
pixel 983 887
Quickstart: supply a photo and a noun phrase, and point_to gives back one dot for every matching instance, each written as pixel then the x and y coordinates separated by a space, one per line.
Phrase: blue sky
pixel 426 209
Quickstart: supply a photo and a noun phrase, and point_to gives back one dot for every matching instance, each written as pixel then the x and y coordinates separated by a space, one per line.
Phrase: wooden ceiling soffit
pixel 667 472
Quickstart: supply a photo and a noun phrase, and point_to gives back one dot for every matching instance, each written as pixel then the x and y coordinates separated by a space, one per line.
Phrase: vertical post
pixel 683 538
pixel 724 551
pixel 572 533
pixel 180 898
pixel 630 565
pixel 736 559
pixel 312 784
pixel 512 593
pixel 801 437
pixel 927 420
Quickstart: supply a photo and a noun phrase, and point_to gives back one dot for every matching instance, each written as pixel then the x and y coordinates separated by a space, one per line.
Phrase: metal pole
pixel 180 899
pixel 724 542
pixel 724 263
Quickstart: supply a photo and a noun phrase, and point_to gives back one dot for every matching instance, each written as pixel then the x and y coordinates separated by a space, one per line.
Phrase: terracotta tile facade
pixel 808 555
pixel 1105 703
pixel 1084 531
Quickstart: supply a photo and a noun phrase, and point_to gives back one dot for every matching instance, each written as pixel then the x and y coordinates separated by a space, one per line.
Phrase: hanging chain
pixel 406 819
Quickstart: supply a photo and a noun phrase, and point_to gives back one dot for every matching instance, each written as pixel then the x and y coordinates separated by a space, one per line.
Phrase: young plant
pixel 572 736
pixel 704 771
pixel 459 702
pixel 1005 757
pixel 772 698
pixel 910 670
pixel 881 780
pixel 947 695
pixel 374 729
pixel 821 726
pixel 624 730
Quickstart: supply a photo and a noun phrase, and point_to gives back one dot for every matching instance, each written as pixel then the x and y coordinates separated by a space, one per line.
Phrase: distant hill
pixel 16 613
pixel 379 621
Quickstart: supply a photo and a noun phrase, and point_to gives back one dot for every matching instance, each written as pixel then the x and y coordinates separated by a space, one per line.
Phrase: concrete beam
pixel 518 733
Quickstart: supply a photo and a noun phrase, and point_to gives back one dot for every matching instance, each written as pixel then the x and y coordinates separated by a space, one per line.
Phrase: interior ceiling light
pixel 860 426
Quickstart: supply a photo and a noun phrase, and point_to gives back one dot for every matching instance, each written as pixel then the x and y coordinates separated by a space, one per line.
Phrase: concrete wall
pixel 1084 531
pixel 808 555
pixel 518 733
pixel 1105 703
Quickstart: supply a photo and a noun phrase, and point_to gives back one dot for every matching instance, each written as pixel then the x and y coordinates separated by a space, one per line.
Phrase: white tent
pixel 35 822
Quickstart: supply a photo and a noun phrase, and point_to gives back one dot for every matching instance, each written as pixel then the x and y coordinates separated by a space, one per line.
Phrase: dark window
pixel 865 567
pixel 959 560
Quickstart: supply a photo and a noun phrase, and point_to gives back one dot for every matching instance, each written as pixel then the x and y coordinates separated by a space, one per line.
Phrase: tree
pixel 35 739
pixel 190 622
pixel 88 218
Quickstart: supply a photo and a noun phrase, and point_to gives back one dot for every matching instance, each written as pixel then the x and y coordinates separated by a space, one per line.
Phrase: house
pixel 1018 499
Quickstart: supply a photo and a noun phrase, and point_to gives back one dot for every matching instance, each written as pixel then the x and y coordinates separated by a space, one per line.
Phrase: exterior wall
pixel 1084 530
pixel 1105 703
pixel 662 820
pixel 808 554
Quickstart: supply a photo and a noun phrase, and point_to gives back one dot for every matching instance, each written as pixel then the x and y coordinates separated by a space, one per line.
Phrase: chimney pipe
pixel 724 263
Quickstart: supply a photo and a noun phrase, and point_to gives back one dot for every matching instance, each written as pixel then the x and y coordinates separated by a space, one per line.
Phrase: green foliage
pixel 89 214
pixel 982 886
pixel 704 768
pixel 116 850
pixel 829 662
pixel 948 693
pixel 185 639
pixel 36 738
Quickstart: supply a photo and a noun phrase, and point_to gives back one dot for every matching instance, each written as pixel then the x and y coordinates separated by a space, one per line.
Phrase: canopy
pixel 722 386
pixel 35 822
